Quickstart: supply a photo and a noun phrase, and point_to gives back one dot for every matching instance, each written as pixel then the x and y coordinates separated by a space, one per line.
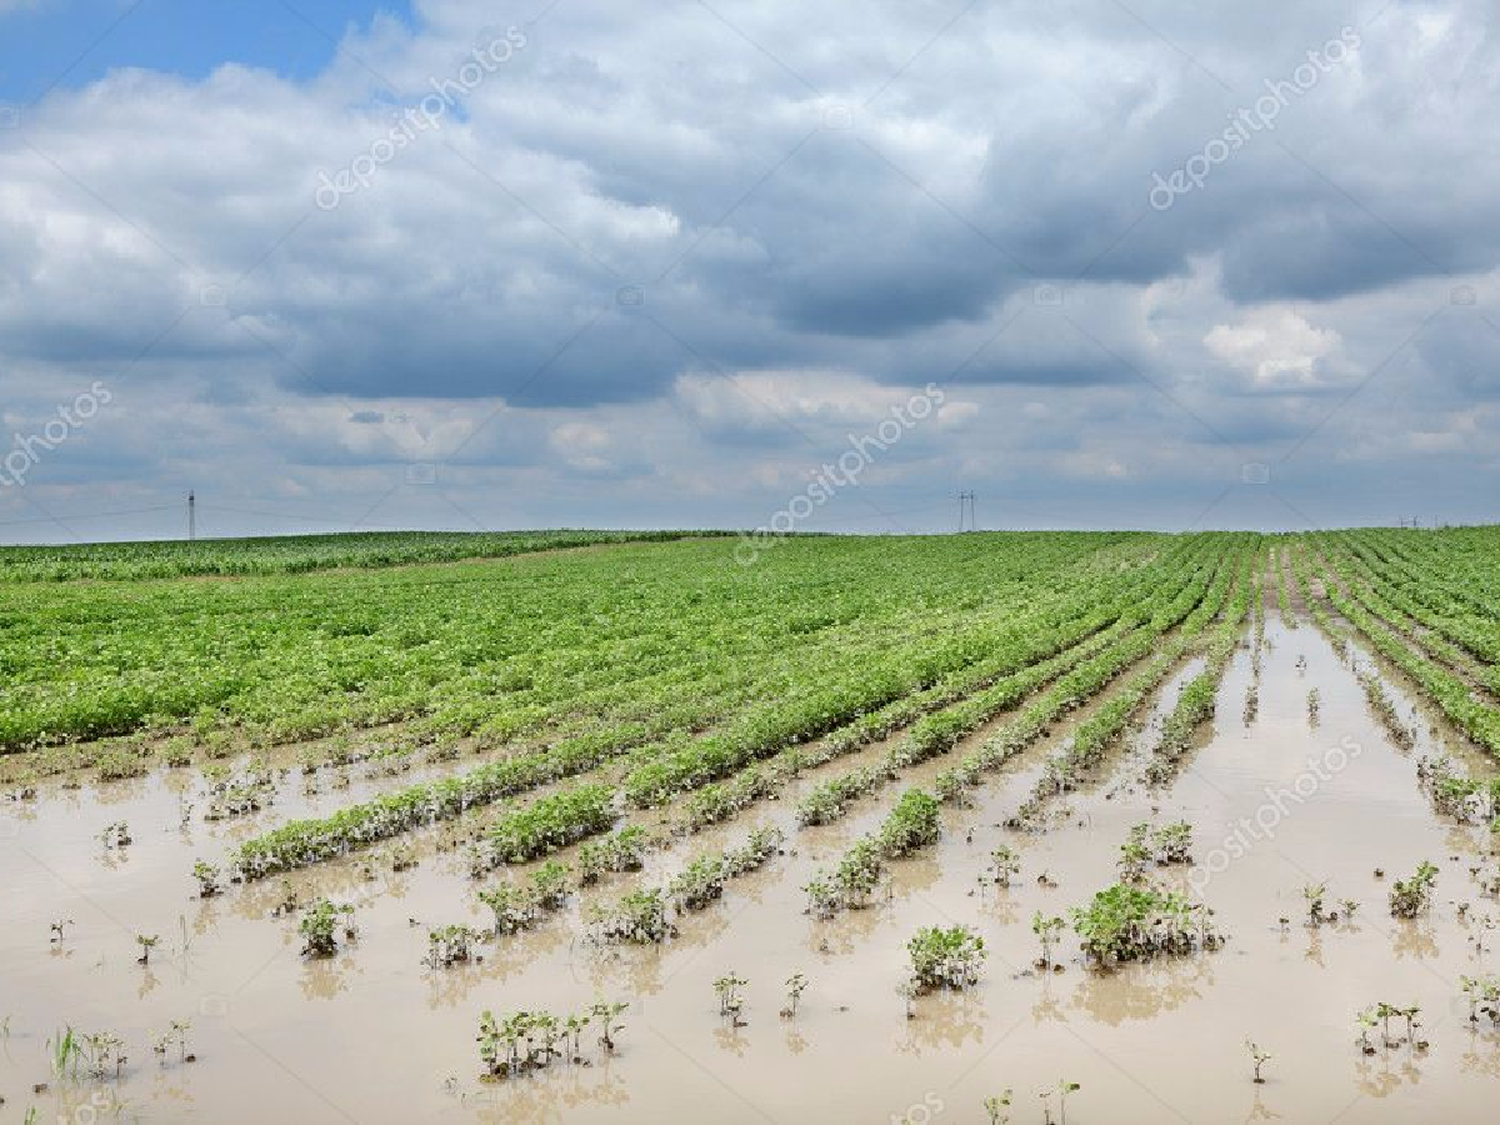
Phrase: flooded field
pixel 225 1019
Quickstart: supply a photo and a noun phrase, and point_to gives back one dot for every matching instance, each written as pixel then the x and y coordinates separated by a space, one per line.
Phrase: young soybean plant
pixel 208 879
pixel 731 1002
pixel 945 957
pixel 320 926
pixel 996 1105
pixel 1483 994
pixel 147 942
pixel 605 1014
pixel 450 945
pixel 1313 894
pixel 1258 1058
pixel 1062 1090
pixel 1410 897
pixel 1047 931
pixel 796 984
pixel 1004 866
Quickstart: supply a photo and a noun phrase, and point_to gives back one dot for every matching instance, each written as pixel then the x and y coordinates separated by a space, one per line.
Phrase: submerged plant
pixel 624 850
pixel 796 984
pixel 320 927
pixel 698 884
pixel 996 1104
pixel 1134 855
pixel 1410 897
pixel 1126 923
pixel 638 916
pixel 520 1042
pixel 1258 1058
pixel 1164 846
pixel 946 957
pixel 208 879
pixel 549 885
pixel 822 896
pixel 104 1052
pixel 1062 1090
pixel 513 908
pixel 518 908
pixel 449 945
pixel 606 1015
pixel 1173 843
pixel 731 1003
pixel 147 942
pixel 1483 994
pixel 1381 1015
pixel 1312 894
pixel 1047 931
pixel 1004 866
pixel 176 1033
pixel 116 835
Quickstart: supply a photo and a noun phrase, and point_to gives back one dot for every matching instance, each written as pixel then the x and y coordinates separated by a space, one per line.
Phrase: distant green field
pixel 294 553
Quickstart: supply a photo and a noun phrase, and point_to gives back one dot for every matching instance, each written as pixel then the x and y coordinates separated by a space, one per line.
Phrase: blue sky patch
pixel 46 44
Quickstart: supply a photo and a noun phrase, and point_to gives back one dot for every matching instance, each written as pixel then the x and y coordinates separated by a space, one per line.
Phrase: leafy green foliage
pixel 321 926
pixel 1413 895
pixel 945 957
pixel 1132 922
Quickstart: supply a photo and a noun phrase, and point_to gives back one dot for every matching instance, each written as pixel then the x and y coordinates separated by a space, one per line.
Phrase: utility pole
pixel 192 517
pixel 966 507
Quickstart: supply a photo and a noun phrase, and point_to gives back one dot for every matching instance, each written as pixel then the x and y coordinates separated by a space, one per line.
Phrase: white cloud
pixel 1280 350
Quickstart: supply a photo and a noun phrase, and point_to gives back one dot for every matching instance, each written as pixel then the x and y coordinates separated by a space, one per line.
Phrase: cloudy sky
pixel 337 264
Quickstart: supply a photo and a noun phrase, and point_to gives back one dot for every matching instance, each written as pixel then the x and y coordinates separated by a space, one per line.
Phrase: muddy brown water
pixel 373 1036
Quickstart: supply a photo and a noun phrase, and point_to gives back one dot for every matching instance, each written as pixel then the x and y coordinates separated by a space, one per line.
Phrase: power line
pixel 95 515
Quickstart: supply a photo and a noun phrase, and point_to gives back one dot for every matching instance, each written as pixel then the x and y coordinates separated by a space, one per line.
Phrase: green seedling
pixel 1258 1058
pixel 945 957
pixel 796 984
pixel 1004 866
pixel 1410 897
pixel 1312 894
pixel 320 927
pixel 1135 856
pixel 208 879
pixel 1061 1090
pixel 449 945
pixel 116 835
pixel 606 1015
pixel 1483 994
pixel 147 942
pixel 731 1002
pixel 1047 931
